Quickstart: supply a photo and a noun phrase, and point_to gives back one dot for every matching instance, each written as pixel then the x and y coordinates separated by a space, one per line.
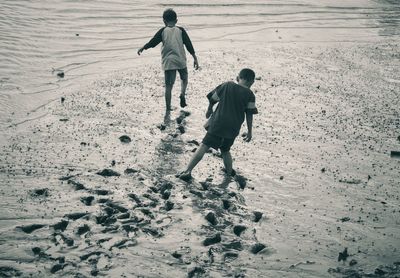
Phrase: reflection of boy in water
pixel 235 101
pixel 173 54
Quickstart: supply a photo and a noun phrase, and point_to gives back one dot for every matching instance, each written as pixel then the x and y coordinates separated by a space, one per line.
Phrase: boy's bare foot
pixel 233 172
pixel 183 101
pixel 185 176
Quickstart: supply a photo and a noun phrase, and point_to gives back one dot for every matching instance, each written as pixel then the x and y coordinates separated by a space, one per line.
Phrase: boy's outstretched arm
pixel 251 109
pixel 189 46
pixel 153 42
pixel 249 121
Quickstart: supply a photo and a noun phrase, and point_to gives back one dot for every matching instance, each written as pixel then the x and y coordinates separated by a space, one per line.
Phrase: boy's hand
pixel 209 112
pixel 247 137
pixel 140 51
pixel 196 64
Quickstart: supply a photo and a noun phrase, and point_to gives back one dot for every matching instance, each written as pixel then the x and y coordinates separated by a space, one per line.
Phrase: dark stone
pixel 152 231
pixel 6 271
pixel 77 185
pixel 102 192
pixel 345 219
pixel 210 217
pixel 109 211
pixel 179 120
pixel 65 178
pixel 181 129
pixel 105 220
pixel 281 177
pixel 102 200
pixel 124 216
pixel 83 229
pixel 237 245
pixel 196 272
pixel 125 139
pixel 68 241
pixel 165 195
pixel 212 240
pixel 108 173
pixel 226 203
pixel 56 267
pixel 64 120
pixel 162 126
pixel 176 255
pixel 256 248
pixel 87 200
pixel 113 163
pixel 379 272
pixel 343 255
pixel 229 256
pixel 40 192
pixel 257 216
pixel 37 250
pixel 94 253
pixel 61 74
pixel 238 229
pixel 353 262
pixel 130 171
pixel 76 215
pixel 169 205
pixel 323 170
pixel 117 207
pixel 61 226
pixel 30 228
pixel 129 228
pixel 135 198
pixel 165 186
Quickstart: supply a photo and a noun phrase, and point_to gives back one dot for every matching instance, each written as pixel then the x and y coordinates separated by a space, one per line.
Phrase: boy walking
pixel 173 54
pixel 235 102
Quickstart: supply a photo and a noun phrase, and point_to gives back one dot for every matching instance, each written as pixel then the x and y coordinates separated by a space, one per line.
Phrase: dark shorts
pixel 216 142
pixel 170 75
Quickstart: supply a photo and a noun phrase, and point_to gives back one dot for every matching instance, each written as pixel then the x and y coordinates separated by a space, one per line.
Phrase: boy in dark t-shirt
pixel 235 102
pixel 173 54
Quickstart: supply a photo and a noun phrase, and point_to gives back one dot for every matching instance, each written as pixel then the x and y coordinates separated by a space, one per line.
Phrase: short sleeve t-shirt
pixel 233 102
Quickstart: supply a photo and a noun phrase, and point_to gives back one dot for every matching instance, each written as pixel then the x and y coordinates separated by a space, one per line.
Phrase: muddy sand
pixel 88 182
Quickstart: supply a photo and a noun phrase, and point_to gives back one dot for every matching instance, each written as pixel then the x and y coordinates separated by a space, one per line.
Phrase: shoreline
pixel 321 147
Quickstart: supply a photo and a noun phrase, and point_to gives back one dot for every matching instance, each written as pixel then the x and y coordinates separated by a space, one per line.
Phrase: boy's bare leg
pixel 168 92
pixel 184 84
pixel 227 158
pixel 196 158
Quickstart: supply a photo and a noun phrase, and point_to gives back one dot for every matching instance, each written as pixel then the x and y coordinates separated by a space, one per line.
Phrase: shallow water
pixel 85 39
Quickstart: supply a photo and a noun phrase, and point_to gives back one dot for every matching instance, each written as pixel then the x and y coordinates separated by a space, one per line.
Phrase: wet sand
pixel 88 187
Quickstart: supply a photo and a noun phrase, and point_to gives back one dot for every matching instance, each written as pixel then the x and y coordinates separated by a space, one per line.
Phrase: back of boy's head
pixel 169 15
pixel 247 74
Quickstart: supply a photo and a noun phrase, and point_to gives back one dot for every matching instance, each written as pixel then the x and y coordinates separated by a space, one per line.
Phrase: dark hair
pixel 169 15
pixel 247 74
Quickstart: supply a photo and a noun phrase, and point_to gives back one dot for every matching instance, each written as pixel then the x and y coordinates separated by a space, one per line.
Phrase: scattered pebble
pixel 125 139
pixel 87 200
pixel 256 248
pixel 239 229
pixel 257 216
pixel 212 240
pixel 30 228
pixel 210 217
pixel 343 255
pixel 108 173
pixel 62 225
